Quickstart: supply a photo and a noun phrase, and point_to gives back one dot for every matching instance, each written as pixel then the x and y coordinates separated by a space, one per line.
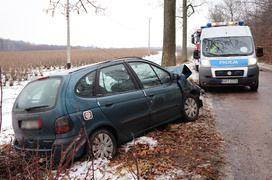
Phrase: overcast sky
pixel 124 23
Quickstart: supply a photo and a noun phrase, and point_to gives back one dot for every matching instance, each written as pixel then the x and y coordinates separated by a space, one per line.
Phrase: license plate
pixel 229 81
pixel 30 124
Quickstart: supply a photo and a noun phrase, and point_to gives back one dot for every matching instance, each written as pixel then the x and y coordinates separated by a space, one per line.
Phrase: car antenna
pixel 106 52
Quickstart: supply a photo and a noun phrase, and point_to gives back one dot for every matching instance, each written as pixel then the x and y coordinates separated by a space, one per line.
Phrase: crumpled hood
pixel 181 69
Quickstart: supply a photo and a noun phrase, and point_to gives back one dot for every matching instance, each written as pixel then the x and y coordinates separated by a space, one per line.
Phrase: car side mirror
pixel 186 71
pixel 196 54
pixel 259 51
pixel 175 77
pixel 193 39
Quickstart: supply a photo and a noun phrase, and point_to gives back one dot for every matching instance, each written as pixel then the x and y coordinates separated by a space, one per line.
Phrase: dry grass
pixel 18 66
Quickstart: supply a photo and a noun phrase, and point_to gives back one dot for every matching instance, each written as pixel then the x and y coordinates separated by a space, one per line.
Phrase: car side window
pixel 163 75
pixel 85 86
pixel 115 79
pixel 146 74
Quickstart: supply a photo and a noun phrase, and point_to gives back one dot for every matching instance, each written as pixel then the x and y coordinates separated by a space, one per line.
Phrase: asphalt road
pixel 244 119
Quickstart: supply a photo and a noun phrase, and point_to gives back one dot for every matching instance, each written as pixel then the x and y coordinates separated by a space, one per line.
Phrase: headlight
pixel 205 62
pixel 252 61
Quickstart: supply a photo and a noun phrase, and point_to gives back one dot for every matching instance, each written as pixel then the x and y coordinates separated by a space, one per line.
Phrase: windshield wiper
pixel 238 54
pixel 35 107
pixel 211 54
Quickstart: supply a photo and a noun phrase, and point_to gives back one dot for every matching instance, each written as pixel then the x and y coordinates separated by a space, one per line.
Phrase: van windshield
pixel 227 46
pixel 38 95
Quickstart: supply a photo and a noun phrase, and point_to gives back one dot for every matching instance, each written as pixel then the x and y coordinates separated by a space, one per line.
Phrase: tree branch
pixel 190 5
pixel 77 6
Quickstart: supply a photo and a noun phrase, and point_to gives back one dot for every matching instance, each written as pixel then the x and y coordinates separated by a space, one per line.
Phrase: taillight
pixel 63 125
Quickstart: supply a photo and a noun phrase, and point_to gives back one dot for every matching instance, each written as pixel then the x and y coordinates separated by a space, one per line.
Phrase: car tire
pixel 196 67
pixel 190 109
pixel 102 144
pixel 254 88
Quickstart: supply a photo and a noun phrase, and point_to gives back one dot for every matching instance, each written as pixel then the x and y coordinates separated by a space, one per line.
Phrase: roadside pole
pixel 68 36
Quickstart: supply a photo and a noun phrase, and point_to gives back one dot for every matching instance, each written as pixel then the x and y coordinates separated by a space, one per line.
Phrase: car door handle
pixel 151 95
pixel 109 104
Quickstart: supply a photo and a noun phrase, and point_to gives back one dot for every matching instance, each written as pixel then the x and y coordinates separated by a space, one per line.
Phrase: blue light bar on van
pixel 241 23
pixel 218 24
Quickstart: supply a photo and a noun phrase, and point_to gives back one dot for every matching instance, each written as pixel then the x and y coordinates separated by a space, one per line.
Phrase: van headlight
pixel 205 62
pixel 252 61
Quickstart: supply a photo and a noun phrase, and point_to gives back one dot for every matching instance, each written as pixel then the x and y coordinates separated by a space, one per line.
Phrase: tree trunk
pixel 184 34
pixel 169 34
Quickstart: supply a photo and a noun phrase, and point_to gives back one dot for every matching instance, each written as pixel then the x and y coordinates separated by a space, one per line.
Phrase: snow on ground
pixel 155 58
pixel 80 169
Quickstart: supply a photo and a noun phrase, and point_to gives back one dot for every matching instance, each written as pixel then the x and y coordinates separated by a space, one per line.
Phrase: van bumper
pixel 206 78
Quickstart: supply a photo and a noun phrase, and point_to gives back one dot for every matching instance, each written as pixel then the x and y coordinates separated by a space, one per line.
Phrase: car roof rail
pixel 129 57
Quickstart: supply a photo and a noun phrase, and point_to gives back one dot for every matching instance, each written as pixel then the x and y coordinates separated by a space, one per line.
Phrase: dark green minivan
pixel 92 109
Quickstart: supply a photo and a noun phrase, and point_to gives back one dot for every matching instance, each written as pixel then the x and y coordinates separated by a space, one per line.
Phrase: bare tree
pixel 216 14
pixel 227 10
pixel 169 34
pixel 188 9
pixel 258 16
pixel 79 5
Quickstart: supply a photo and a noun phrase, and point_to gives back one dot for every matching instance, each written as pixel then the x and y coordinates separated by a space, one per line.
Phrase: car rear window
pixel 37 95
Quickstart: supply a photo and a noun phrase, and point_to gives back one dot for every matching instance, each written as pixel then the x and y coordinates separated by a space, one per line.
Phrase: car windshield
pixel 38 95
pixel 227 46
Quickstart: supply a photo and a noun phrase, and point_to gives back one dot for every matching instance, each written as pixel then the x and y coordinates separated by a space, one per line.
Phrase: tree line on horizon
pixel 11 45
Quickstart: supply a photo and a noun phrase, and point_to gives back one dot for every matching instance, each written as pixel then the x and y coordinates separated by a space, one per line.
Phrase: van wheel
pixel 102 144
pixel 191 108
pixel 196 67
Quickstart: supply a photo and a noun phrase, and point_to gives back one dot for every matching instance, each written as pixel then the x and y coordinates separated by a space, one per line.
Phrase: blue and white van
pixel 227 56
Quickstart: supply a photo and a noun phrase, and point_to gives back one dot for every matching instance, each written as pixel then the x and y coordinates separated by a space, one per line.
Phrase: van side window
pixel 115 79
pixel 85 86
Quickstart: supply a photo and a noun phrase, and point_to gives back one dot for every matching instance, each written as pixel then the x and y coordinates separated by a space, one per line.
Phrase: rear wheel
pixel 102 144
pixel 191 108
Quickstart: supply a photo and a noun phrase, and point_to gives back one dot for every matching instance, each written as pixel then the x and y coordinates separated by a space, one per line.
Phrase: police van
pixel 227 56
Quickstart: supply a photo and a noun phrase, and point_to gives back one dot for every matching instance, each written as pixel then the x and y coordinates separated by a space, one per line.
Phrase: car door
pixel 121 100
pixel 164 96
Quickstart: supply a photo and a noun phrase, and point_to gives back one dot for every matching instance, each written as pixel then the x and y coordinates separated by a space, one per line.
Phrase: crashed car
pixel 94 108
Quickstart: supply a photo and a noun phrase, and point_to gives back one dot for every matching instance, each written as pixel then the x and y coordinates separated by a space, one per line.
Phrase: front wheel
pixel 191 108
pixel 102 144
pixel 254 88
pixel 196 67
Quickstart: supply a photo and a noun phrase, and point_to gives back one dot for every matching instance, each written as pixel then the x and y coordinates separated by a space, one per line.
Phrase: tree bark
pixel 169 34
